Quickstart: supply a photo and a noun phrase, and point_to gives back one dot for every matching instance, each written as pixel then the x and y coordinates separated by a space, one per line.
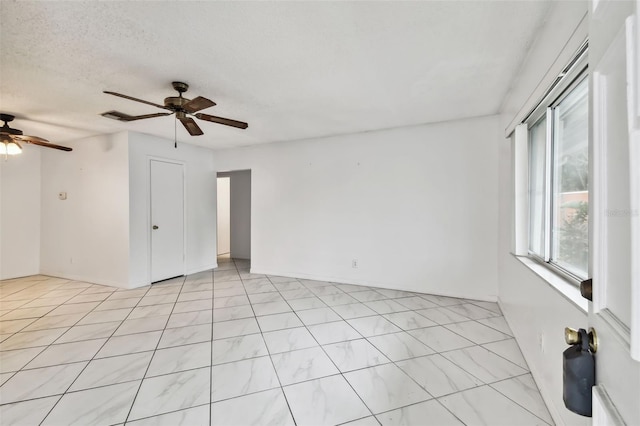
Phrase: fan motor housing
pixel 175 102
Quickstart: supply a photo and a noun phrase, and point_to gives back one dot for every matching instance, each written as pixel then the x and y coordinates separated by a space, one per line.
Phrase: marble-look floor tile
pixel 271 308
pixel 440 339
pixel 185 335
pixel 195 295
pixel 386 306
pixel 318 316
pixel 239 327
pixel 235 312
pixel 416 303
pixel 88 332
pixel 32 339
pixel 289 340
pixel 193 305
pixel 337 299
pixel 365 421
pixel 184 319
pixel 76 308
pixel 130 343
pixel 236 290
pixel 508 349
pixel 267 408
pixel 333 332
pixel 102 406
pixel 196 416
pixel 109 371
pixel 417 414
pixel 476 332
pixel 282 286
pixel 180 358
pixel 325 290
pixel 306 303
pixel 302 365
pixel 83 298
pixel 242 377
pixel 238 348
pixel 443 300
pixel 399 346
pixel 437 375
pixel 40 382
pixel 394 294
pixel 484 364
pixel 497 323
pixel 272 296
pixel 57 321
pixel 385 387
pixel 4 377
pixel 279 321
pixel 231 301
pixel 27 412
pixel 150 311
pixel 296 293
pixel 116 304
pixel 524 391
pixel 326 401
pixel 27 313
pixel 103 316
pixel 472 311
pixel 171 392
pixel 355 354
pixel 367 296
pixel 66 353
pixel 486 406
pixel 258 286
pixel 353 310
pixel 373 326
pixel 142 325
pixel 157 300
pixel 442 315
pixel 409 320
pixel 16 359
pixel 14 326
pixel 490 306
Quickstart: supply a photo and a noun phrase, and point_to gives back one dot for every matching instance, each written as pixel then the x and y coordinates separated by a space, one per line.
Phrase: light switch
pixel 62 195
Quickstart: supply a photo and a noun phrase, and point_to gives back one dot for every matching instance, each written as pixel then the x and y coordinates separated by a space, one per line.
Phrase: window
pixel 558 181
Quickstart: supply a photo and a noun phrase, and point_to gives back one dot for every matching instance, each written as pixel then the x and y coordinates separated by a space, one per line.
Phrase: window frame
pixel 572 76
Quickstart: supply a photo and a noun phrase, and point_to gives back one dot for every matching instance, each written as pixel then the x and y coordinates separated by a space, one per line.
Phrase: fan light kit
pixel 181 107
pixel 10 139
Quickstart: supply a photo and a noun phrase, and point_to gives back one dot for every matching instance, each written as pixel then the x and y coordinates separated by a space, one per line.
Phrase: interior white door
pixel 167 220
pixel 615 212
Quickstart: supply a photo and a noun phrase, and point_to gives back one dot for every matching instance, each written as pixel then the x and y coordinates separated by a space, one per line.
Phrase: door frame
pixel 151 158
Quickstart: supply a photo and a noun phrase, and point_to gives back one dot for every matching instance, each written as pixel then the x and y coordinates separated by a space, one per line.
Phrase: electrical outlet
pixel 354 263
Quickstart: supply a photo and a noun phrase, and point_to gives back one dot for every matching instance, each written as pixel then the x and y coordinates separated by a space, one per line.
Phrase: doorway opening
pixel 234 215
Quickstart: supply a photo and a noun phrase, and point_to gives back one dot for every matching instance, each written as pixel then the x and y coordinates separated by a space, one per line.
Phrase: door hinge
pixel 586 289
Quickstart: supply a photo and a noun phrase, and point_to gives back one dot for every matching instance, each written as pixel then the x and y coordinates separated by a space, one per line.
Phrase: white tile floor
pixel 232 348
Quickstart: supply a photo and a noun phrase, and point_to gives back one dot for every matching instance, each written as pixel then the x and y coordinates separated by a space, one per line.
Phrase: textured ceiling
pixel 292 70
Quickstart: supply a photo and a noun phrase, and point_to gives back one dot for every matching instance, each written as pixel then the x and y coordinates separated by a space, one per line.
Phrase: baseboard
pixel 368 283
pixel 90 280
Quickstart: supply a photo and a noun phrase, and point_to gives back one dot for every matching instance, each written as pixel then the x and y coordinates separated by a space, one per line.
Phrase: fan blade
pixel 135 99
pixel 220 120
pixel 196 104
pixel 121 116
pixel 191 126
pixel 34 140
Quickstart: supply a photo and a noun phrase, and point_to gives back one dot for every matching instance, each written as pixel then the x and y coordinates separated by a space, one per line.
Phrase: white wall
pixel 224 215
pixel 85 237
pixel 415 206
pixel 20 214
pixel 200 219
pixel 536 312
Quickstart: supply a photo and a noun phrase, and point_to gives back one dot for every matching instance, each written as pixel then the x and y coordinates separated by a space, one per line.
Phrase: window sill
pixel 563 286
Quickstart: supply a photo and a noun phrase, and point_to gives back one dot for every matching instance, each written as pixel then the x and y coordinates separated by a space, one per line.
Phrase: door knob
pixel 154 227
pixel 572 337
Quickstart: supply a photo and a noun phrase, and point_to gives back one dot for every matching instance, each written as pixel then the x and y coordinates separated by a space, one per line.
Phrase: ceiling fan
pixel 10 139
pixel 181 107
